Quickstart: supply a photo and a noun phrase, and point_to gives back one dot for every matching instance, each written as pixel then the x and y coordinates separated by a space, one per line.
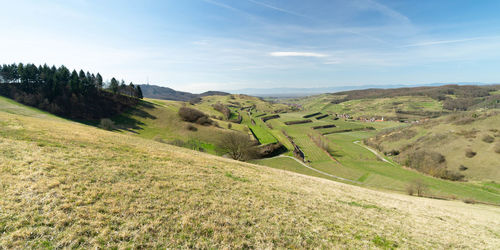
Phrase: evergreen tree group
pixel 68 93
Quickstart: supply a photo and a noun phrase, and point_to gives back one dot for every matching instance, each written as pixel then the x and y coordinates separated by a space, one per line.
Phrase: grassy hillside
pixel 470 140
pixel 64 184
pixel 159 120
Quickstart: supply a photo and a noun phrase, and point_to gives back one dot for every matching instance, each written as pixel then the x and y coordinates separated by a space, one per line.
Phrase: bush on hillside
pixel 432 163
pixel 469 153
pixel 458 104
pixel 488 139
pixel 237 145
pixel 405 134
pixel 497 148
pixel 177 142
pixel 320 141
pixel 194 116
pixel 470 134
pixel 417 187
pixel 223 109
pixel 470 201
pixel 393 152
pixel 195 100
pixel 158 139
pixel 107 124
pixel 190 127
pixel 452 176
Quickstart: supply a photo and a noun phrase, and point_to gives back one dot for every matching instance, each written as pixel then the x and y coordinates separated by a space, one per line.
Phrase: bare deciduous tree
pixel 238 146
pixel 416 186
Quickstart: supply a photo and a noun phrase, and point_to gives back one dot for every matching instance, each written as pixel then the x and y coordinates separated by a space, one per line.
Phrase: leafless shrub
pixel 469 201
pixel 158 139
pixel 223 109
pixel 190 127
pixel 468 133
pixel 497 148
pixel 417 187
pixel 194 115
pixel 204 121
pixel 488 139
pixel 320 141
pixel 177 142
pixel 107 124
pixel 469 153
pixel 237 145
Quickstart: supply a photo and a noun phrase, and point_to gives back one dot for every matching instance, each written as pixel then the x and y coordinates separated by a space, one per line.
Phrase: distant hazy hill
pixel 298 92
pixel 164 93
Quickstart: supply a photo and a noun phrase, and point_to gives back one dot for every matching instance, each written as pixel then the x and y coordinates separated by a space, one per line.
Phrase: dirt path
pixel 318 171
pixel 375 153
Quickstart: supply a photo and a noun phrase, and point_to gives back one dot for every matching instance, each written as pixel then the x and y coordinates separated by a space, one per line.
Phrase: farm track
pixel 318 171
pixel 374 152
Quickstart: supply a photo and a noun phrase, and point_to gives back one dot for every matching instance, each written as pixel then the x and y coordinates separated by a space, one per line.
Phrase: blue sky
pixel 198 45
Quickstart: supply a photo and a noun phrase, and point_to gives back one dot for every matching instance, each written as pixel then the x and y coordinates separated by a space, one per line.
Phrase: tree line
pixel 72 94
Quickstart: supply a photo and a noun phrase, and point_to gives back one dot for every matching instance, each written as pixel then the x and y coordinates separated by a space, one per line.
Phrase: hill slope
pixel 403 104
pixel 64 184
pixel 164 93
pixel 470 140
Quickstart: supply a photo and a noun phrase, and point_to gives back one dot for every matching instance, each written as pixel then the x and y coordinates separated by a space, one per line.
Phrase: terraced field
pixel 359 164
pixel 407 107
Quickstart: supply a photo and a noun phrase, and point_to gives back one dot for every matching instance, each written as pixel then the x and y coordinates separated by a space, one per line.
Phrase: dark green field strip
pixel 298 122
pixel 311 115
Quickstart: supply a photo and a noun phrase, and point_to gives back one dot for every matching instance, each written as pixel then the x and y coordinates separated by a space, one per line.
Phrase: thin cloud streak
pixel 296 54
pixel 430 43
pixel 278 9
pixel 388 11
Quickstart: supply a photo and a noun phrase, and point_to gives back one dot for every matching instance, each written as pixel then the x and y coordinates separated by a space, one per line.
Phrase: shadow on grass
pixel 125 120
pixel 335 153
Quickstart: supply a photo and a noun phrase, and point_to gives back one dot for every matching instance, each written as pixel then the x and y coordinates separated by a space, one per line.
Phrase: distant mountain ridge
pixel 298 92
pixel 165 93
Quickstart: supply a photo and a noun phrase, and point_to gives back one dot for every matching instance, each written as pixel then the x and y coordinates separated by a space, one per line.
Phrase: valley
pixel 337 146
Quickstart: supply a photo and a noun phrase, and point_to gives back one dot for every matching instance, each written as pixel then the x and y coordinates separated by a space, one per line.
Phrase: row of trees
pixel 67 93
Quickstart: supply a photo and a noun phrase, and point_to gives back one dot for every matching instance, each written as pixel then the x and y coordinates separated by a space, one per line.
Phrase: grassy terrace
pixel 386 107
pixel 258 129
pixel 359 164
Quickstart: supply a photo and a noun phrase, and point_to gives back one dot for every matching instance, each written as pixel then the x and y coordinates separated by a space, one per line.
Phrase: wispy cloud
pixel 296 53
pixel 387 11
pixel 279 9
pixel 225 6
pixel 430 43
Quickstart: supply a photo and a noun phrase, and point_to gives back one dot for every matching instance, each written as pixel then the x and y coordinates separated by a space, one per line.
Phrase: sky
pixel 200 45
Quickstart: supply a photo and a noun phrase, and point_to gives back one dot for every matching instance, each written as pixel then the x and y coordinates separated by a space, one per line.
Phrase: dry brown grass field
pixel 67 185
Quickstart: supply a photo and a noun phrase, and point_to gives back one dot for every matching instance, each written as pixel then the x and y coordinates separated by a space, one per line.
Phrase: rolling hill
pixel 69 185
pixel 403 104
pixel 164 93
